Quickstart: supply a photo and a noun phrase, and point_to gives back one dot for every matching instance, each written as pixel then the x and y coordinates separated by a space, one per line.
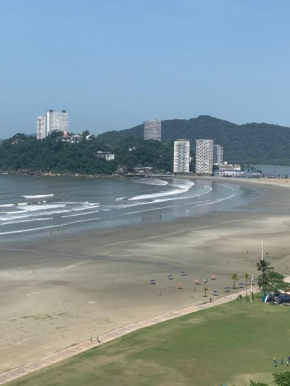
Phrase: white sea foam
pixel 28 220
pixel 148 210
pixel 39 196
pixel 86 207
pixel 39 207
pixel 13 212
pixel 216 201
pixel 6 205
pixel 150 181
pixel 23 203
pixel 159 200
pixel 8 218
pixel 48 227
pixel 184 197
pixel 80 214
pixel 180 188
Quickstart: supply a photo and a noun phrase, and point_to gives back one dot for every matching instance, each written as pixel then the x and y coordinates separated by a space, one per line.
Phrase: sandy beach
pixel 56 292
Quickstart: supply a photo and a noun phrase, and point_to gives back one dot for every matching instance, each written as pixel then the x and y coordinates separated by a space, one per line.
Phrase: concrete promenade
pixel 111 335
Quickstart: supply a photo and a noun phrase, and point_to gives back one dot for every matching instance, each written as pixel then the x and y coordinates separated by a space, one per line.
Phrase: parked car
pixel 284 298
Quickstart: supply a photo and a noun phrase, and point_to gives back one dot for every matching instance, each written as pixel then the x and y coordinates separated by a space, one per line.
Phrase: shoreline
pixel 235 180
pixel 56 292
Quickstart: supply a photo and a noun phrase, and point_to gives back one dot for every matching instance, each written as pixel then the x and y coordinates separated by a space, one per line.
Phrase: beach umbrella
pixel 152 281
pixel 183 273
pixel 170 277
pixel 215 292
pixel 197 281
pixel 180 286
pixel 227 289
pixel 213 277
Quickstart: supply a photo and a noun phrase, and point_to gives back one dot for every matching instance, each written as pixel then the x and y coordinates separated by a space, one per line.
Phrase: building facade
pixel 40 128
pixel 218 155
pixel 181 159
pixel 204 156
pixel 152 129
pixel 106 155
pixel 52 121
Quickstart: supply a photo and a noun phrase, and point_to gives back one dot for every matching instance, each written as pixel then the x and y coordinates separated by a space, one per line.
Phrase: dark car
pixel 284 298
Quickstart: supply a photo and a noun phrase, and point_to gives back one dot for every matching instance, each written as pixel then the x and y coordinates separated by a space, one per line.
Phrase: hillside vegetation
pixel 53 155
pixel 246 144
pixel 252 143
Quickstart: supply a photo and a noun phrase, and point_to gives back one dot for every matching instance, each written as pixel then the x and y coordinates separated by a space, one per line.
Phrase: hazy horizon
pixel 112 65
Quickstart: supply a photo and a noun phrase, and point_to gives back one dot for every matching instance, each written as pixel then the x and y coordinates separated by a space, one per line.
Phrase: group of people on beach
pixel 275 362
pixel 98 339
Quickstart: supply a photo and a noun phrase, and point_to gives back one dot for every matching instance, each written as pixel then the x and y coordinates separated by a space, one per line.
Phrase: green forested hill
pixel 53 155
pixel 252 143
pixel 247 144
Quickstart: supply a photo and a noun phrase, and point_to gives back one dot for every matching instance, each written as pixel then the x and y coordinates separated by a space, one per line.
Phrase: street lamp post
pixel 252 279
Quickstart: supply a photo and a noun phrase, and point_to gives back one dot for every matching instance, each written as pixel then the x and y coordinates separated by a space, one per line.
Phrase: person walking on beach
pixel 282 362
pixel 98 339
pixel 287 363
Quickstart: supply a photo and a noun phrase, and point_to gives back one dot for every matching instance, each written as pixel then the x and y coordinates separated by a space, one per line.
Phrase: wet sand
pixel 56 292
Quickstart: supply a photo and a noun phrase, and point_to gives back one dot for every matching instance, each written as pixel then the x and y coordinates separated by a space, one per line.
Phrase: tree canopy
pixel 23 152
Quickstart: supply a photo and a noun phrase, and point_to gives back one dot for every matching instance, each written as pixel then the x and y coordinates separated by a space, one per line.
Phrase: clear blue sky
pixel 114 63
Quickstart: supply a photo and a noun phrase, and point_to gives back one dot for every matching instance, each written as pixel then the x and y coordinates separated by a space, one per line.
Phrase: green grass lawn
pixel 231 343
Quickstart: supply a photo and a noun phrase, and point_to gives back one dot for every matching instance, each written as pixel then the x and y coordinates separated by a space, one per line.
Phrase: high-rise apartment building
pixel 204 156
pixel 218 155
pixel 181 159
pixel 40 128
pixel 152 129
pixel 52 121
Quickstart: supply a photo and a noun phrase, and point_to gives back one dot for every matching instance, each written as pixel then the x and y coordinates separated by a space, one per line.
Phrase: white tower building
pixel 152 129
pixel 52 121
pixel 181 158
pixel 204 156
pixel 57 121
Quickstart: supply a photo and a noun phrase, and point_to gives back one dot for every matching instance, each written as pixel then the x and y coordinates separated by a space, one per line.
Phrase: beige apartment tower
pixel 204 156
pixel 181 160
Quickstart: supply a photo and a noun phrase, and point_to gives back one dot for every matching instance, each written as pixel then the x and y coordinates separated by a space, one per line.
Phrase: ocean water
pixel 47 206
pixel 274 170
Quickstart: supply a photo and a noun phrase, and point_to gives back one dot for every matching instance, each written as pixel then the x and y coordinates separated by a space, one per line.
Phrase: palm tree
pixel 247 277
pixel 234 277
pixel 205 290
pixel 264 267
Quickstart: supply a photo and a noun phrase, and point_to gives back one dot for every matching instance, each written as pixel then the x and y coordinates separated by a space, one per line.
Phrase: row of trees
pixel 282 379
pixel 268 280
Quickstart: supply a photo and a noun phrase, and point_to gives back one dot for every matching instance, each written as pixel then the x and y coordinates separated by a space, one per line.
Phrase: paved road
pixel 81 347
